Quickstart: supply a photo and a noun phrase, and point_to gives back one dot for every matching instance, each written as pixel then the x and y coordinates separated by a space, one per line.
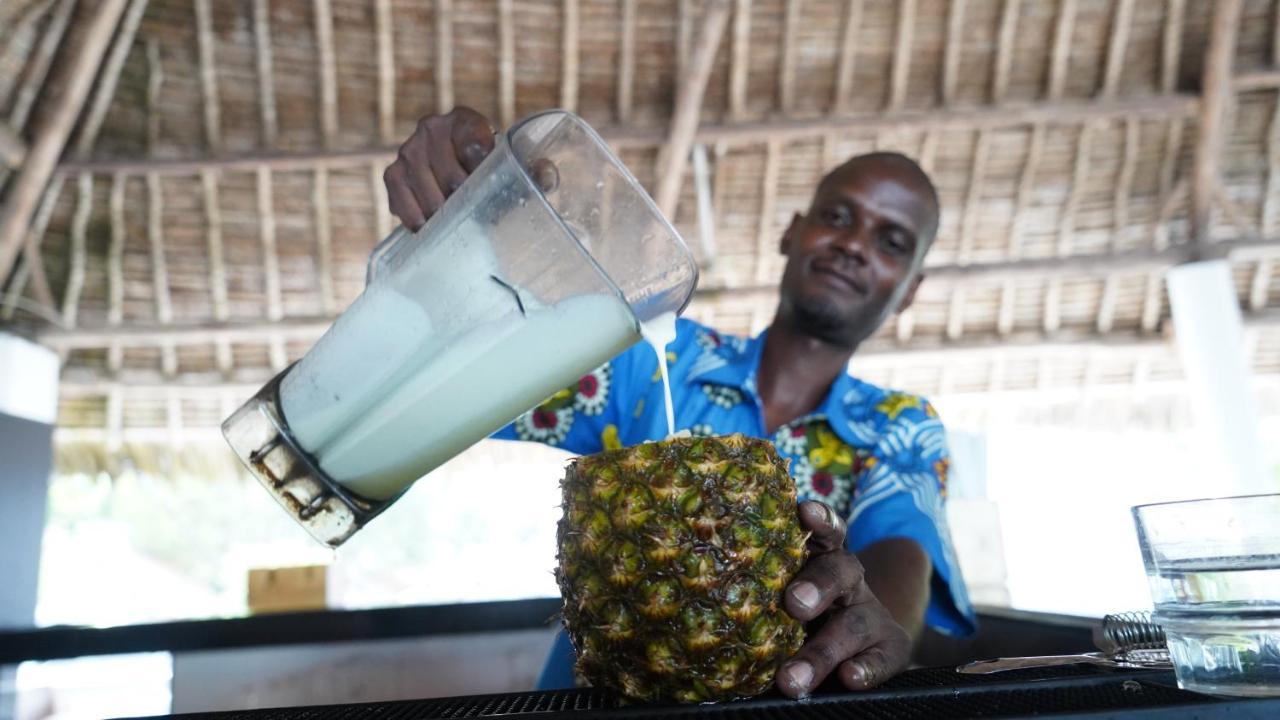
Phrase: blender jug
pixel 536 271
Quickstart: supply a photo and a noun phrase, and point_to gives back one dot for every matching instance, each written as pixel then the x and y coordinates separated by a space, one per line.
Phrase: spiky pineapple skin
pixel 672 561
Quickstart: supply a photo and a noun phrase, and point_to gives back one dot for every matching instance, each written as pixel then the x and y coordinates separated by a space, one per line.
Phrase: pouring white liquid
pixel 660 332
pixel 391 400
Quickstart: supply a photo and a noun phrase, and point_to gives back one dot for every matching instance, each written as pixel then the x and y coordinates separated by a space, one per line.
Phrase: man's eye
pixel 895 243
pixel 836 217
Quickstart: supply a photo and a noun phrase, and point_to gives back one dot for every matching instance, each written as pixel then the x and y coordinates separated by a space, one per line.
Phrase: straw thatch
pixel 217 200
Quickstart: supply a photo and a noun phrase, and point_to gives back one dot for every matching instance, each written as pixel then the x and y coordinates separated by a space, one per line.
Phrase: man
pixel 876 459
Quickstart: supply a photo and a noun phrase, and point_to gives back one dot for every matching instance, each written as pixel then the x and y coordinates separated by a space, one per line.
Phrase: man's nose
pixel 854 243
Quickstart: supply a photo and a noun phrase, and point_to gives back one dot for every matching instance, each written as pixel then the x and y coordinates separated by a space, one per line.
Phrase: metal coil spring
pixel 1132 631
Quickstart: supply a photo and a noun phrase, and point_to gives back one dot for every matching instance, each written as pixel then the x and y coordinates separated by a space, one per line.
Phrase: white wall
pixel 359 672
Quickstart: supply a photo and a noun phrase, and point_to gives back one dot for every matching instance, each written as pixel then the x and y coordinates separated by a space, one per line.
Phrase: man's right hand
pixel 433 162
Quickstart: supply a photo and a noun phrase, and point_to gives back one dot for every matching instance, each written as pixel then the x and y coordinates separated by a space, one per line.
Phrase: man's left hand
pixel 856 637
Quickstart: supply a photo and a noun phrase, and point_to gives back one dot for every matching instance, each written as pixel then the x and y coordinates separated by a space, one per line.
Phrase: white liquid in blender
pixel 385 403
pixel 659 333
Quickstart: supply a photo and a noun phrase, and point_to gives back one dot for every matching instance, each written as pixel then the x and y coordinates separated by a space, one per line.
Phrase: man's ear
pixel 910 296
pixel 785 246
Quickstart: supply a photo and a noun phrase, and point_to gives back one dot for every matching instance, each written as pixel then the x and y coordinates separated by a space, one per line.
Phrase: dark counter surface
pixel 932 693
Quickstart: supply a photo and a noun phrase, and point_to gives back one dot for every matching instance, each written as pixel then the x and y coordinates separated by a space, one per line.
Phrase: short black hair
pixel 913 171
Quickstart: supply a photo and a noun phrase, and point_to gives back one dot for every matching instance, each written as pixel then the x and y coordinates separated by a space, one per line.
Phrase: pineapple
pixel 673 559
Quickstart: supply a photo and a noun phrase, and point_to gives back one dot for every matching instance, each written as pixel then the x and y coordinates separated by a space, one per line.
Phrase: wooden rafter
pixel 901 70
pixel 328 73
pixel 1259 284
pixel 627 62
pixel 270 261
pixel 160 268
pixel 217 264
pixel 1064 113
pixel 768 206
pixel 444 55
pixel 1061 53
pixel 1216 96
pixel 1121 23
pixel 266 79
pixel 787 66
pixel 968 224
pixel 41 61
pixel 952 52
pixel 1153 297
pixel 684 35
pixel 84 54
pixel 1026 186
pixel 688 106
pixel 1005 45
pixel 105 90
pixel 324 240
pixel 506 63
pixel 31 270
pixel 208 76
pixel 115 266
pixel 1120 221
pixel 385 45
pixel 848 56
pixel 78 250
pixel 569 56
pixel 740 59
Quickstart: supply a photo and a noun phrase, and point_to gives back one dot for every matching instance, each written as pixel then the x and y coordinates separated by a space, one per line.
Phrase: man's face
pixel 851 259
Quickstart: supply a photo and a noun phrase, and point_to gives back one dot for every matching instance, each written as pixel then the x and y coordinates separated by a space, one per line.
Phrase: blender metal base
pixel 259 435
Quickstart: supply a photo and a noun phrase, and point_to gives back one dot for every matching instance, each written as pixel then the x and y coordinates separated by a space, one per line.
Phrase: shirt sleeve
pixel 583 418
pixel 901 495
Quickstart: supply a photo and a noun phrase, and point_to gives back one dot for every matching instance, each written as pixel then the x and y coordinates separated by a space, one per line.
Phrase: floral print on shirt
pixel 824 467
pixel 550 422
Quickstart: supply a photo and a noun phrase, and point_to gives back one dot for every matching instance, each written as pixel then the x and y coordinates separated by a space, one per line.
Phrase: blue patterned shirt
pixel 877 456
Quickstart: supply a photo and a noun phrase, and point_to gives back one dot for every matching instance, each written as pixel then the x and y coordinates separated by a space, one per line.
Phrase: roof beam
pixel 1065 112
pixel 787 68
pixel 901 69
pixel 1061 53
pixel 105 91
pixel 79 249
pixel 84 53
pixel 328 73
pixel 1121 22
pixel 41 60
pixel 688 106
pixel 385 46
pixel 506 63
pixel 301 328
pixel 444 56
pixel 208 76
pixel 848 56
pixel 266 78
pixel 627 62
pixel 951 55
pixel 1004 50
pixel 569 51
pixel 740 59
pixel 1216 96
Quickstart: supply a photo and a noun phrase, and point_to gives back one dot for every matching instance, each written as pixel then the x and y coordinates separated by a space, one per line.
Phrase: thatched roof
pixel 217 200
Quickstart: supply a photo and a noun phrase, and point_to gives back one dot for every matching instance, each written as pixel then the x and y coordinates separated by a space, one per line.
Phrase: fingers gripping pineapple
pixel 673 560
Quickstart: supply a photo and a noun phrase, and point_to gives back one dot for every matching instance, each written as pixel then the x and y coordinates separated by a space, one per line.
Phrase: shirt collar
pixel 727 360
pixel 735 362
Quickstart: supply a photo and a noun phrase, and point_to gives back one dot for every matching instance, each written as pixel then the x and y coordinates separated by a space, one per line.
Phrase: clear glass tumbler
pixel 1214 571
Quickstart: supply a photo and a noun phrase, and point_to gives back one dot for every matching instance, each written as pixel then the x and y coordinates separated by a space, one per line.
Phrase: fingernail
pixel 474 153
pixel 806 594
pixel 857 673
pixel 799 674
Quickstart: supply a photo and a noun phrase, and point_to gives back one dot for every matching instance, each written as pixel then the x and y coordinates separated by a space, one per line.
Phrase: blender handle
pixel 381 249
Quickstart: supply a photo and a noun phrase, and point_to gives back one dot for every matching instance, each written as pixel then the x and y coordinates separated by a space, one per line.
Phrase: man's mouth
pixel 840 274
